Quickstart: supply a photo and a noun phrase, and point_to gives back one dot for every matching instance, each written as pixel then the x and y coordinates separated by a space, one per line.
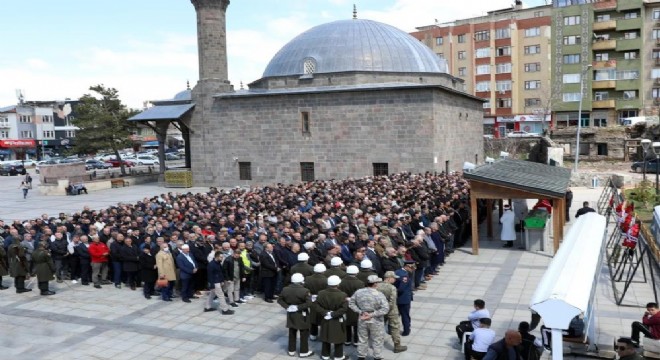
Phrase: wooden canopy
pixel 517 179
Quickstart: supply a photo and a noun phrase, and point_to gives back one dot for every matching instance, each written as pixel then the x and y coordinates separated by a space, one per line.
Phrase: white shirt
pixel 482 338
pixel 475 315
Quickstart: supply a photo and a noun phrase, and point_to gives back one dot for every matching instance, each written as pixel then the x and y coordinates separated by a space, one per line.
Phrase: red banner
pixel 23 143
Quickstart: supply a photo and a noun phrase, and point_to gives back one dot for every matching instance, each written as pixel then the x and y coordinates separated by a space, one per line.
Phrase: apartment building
pixel 504 58
pixel 651 58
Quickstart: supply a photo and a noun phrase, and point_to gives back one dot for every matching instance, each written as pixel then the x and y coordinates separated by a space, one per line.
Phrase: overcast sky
pixel 147 49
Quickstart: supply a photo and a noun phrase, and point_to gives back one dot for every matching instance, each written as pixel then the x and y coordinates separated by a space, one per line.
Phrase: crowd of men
pixel 240 242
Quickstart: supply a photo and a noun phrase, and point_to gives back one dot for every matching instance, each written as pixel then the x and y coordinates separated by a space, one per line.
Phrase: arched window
pixel 309 66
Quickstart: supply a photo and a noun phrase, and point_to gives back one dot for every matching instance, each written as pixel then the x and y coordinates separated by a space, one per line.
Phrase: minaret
pixel 212 40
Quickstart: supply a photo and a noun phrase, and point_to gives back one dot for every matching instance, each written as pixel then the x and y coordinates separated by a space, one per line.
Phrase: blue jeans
pixel 116 272
pixel 166 292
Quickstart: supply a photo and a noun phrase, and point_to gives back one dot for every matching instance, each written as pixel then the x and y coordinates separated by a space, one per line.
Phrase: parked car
pixel 92 164
pixel 172 156
pixel 12 170
pixel 638 166
pixel 147 160
pixel 115 163
pixel 522 134
pixel 171 150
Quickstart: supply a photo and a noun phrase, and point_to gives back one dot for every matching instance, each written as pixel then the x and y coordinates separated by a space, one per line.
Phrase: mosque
pixel 349 98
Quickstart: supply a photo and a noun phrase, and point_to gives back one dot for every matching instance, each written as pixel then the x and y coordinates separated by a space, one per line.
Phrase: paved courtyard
pixel 82 322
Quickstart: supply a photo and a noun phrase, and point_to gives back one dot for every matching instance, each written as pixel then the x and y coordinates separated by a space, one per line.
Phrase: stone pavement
pixel 82 322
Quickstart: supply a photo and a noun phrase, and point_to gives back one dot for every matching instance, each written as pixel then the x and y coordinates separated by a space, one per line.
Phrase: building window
pixel 630 55
pixel 600 122
pixel 631 15
pixel 309 66
pixel 482 35
pixel 483 69
pixel 656 14
pixel 503 86
pixel 535 31
pixel 572 40
pixel 571 78
pixel 570 119
pixel 532 85
pixel 624 114
pixel 627 75
pixel 304 119
pixel 655 93
pixel 502 33
pixel 603 17
pixel 4 121
pixel 245 171
pixel 656 54
pixel 26 134
pixel 504 103
pixel 532 67
pixel 70 133
pixel 461 71
pixel 602 148
pixel 532 102
pixel 487 105
pixel 461 38
pixel 48 134
pixel 438 40
pixel 503 68
pixel 69 120
pixel 504 51
pixel 482 52
pixel 441 55
pixel 47 118
pixel 572 59
pixel 482 86
pixel 602 56
pixel 608 74
pixel 601 95
pixel 4 134
pixel 629 94
pixel 307 171
pixel 381 169
pixel 461 55
pixel 631 35
pixel 571 97
pixel 25 119
pixel 656 33
pixel 538 13
pixel 532 49
pixel 572 20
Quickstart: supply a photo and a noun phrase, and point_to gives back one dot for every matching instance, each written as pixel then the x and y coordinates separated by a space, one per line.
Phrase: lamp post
pixel 646 143
pixel 577 141
pixel 656 151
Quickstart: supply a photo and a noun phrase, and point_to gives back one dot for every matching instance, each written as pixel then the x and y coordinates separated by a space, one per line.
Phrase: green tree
pixel 102 122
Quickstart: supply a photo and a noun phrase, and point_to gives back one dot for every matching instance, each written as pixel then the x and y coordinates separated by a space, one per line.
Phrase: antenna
pixel 20 95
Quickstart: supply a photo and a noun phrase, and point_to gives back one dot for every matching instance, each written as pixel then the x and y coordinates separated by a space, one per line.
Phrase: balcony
pixel 603 104
pixel 628 5
pixel 604 25
pixel 629 24
pixel 628 64
pixel 624 104
pixel 4 125
pixel 656 81
pixel 603 84
pixel 628 44
pixel 629 84
pixel 604 44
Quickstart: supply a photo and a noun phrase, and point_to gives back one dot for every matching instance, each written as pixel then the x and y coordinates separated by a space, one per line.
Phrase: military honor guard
pixel 331 305
pixel 296 299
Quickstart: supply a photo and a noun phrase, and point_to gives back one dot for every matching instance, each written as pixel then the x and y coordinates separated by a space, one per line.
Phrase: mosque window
pixel 309 66
pixel 307 171
pixel 245 170
pixel 381 169
pixel 304 118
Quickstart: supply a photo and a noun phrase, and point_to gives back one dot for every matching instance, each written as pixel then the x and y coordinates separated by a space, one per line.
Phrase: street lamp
pixel 577 141
pixel 646 143
pixel 656 151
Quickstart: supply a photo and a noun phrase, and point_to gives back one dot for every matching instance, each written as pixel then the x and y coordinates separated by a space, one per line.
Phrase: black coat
pixel 268 266
pixel 228 268
pixel 83 253
pixel 148 268
pixel 130 258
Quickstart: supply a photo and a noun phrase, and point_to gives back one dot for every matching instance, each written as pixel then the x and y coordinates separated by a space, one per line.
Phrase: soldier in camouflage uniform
pixel 372 306
pixel 392 317
pixel 296 300
pixel 18 265
pixel 350 284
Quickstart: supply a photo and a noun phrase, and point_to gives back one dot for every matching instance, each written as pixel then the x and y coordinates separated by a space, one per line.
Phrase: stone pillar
pixel 212 39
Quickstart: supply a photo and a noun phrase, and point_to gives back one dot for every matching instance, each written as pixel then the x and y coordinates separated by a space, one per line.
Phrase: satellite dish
pixel 504 154
pixel 490 160
pixel 468 166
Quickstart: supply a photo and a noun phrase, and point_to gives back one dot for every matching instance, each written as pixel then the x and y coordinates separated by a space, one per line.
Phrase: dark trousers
pixel 43 286
pixel 186 288
pixel 85 272
pixel 246 286
pixel 404 310
pixel 419 272
pixel 166 292
pixel 638 327
pixel 116 272
pixel 339 350
pixel 148 288
pixel 74 263
pixel 131 278
pixel 462 328
pixel 269 284
pixel 314 329
pixel 351 334
pixel 19 282
pixel 440 256
pixel 200 281
pixel 304 340
pixel 59 268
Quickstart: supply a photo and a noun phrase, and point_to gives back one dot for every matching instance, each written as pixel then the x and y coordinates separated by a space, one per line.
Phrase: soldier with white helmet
pixel 315 283
pixel 296 299
pixel 301 267
pixel 366 269
pixel 331 305
pixel 336 268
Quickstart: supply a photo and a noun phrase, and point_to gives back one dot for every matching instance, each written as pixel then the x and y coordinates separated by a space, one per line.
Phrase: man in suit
pixel 373 256
pixel 404 287
pixel 187 268
pixel 268 273
pixel 82 252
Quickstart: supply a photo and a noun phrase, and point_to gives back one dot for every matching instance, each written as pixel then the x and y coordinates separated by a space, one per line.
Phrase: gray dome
pixel 183 95
pixel 354 45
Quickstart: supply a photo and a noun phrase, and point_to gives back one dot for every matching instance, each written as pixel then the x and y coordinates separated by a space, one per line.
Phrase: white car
pixel 520 134
pixel 147 160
